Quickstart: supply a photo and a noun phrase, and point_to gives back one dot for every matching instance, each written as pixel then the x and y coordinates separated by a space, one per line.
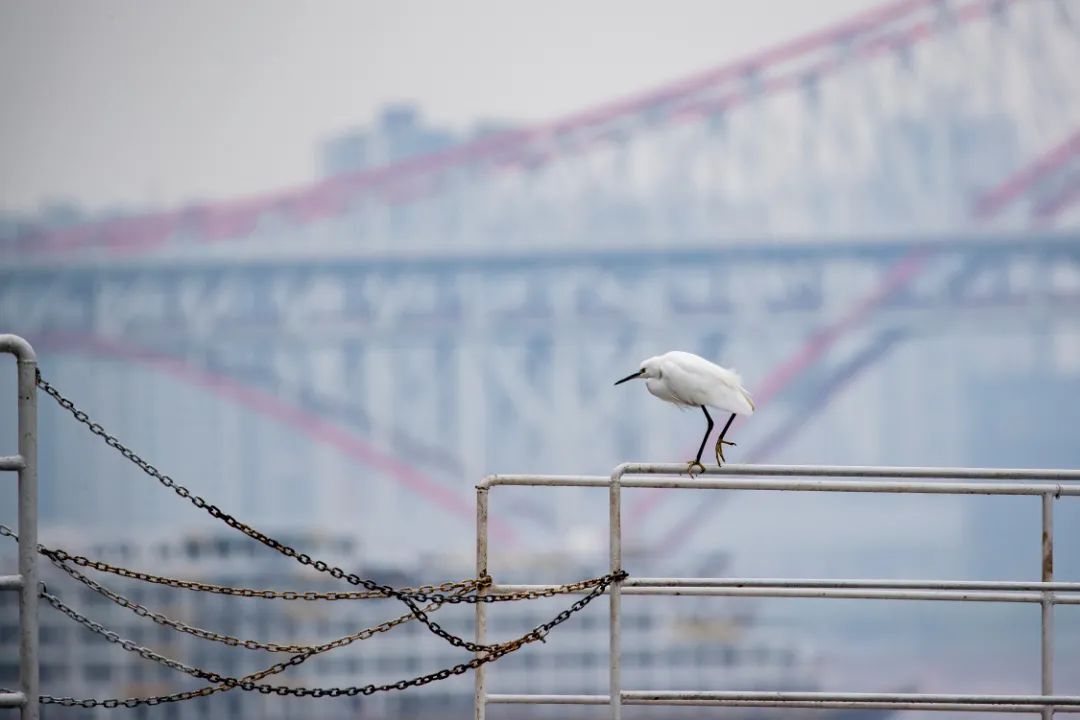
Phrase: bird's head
pixel 649 369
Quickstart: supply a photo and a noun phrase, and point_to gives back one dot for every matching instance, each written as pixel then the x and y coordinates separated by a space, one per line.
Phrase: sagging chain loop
pixel 250 682
pixel 61 559
pixel 305 595
pixel 212 689
pixel 229 640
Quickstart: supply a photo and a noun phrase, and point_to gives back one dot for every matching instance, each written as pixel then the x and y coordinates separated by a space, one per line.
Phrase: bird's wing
pixel 682 386
pixel 727 392
pixel 709 384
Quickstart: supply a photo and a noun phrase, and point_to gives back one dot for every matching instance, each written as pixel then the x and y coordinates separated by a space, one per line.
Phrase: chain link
pixel 308 595
pixel 61 558
pixel 208 689
pixel 229 640
pixel 410 599
pixel 250 682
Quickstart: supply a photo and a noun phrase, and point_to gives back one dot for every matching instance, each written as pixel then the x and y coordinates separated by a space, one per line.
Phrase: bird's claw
pixel 720 443
pixel 690 468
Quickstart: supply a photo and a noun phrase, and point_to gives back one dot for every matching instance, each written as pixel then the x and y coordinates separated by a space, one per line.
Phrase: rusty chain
pixel 250 682
pixel 308 595
pixel 60 559
pixel 304 654
pixel 231 641
pixel 431 591
pixel 410 599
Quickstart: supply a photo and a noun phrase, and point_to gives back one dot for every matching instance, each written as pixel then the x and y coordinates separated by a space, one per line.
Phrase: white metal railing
pixel 1049 485
pixel 26 581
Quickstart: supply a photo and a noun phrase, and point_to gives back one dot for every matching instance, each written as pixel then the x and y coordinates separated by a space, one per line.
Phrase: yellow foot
pixel 690 465
pixel 720 443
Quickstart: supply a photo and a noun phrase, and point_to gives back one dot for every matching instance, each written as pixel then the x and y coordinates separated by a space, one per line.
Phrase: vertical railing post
pixel 480 696
pixel 1047 600
pixel 615 590
pixel 26 362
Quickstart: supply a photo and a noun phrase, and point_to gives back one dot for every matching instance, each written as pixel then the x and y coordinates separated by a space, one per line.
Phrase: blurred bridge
pixel 800 213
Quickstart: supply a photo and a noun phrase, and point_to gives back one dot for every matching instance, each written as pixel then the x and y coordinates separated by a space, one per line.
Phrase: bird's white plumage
pixel 686 379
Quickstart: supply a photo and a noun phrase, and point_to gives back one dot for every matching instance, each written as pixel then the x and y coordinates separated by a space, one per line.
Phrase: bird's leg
pixel 696 462
pixel 721 442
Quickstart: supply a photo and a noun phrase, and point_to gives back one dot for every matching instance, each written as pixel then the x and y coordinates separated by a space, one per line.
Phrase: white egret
pixel 688 380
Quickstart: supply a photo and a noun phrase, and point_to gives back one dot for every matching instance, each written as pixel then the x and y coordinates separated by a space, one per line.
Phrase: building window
pixel 51 635
pixel 98 673
pixel 53 673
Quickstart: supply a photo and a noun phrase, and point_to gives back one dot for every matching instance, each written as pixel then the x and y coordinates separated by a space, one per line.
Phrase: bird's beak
pixel 638 374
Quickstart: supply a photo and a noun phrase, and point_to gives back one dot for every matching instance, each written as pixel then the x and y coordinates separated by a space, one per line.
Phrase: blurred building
pixel 400 133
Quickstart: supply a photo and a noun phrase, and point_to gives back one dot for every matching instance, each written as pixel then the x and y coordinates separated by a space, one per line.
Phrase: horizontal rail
pixel 855 584
pixel 862 486
pixel 914 698
pixel 803 471
pixel 853 705
pixel 797 485
pixel 735 698
pixel 513 699
pixel 1004 596
pixel 11 582
pixel 859 471
pixel 546 480
pixel 12 699
pixel 11 462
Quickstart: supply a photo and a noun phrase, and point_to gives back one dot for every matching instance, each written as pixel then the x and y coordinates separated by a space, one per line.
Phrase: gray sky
pixel 132 102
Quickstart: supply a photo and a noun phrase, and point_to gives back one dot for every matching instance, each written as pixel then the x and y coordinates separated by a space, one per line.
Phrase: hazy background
pixel 131 105
pixel 329 264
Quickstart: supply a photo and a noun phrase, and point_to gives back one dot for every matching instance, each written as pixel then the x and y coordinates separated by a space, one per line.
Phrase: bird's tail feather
pixel 743 391
pixel 749 399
